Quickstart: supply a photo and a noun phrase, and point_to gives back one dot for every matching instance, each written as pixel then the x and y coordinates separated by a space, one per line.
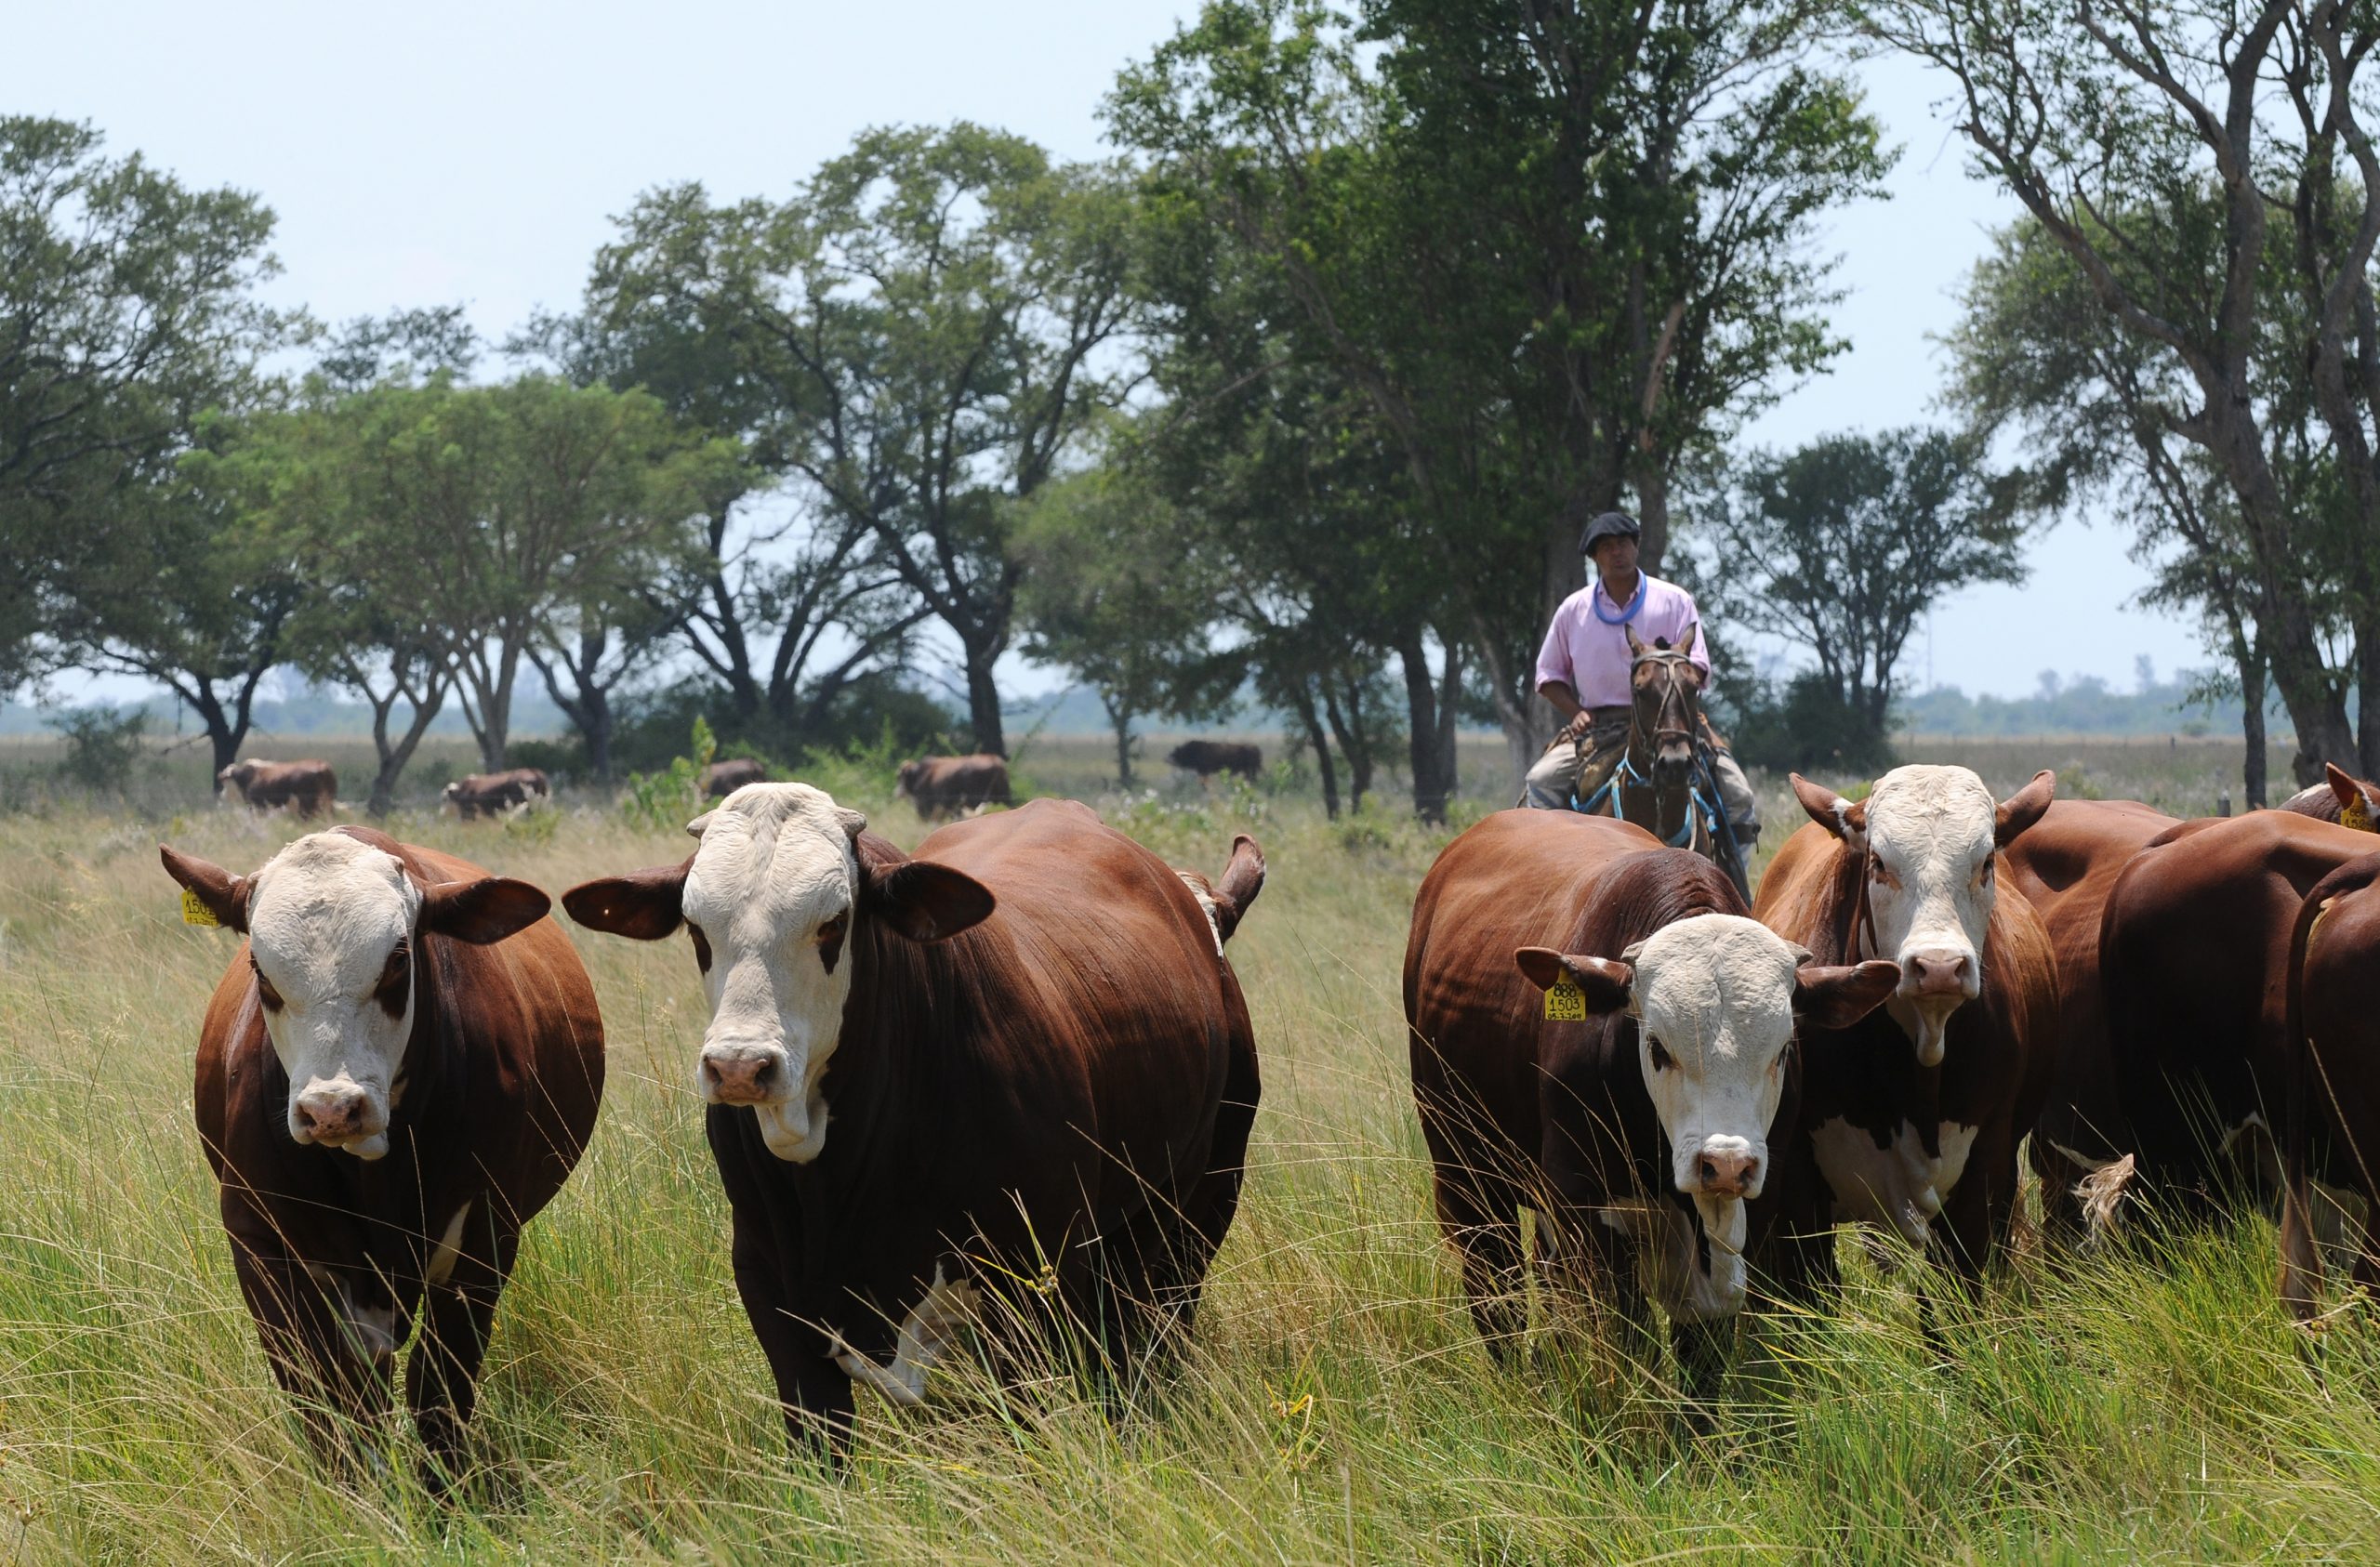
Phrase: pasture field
pixel 1334 1406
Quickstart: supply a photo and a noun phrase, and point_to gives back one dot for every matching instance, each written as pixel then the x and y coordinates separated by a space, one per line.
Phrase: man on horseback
pixel 1584 670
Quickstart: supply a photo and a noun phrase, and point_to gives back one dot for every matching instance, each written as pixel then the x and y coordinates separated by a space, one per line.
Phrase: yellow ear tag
pixel 194 912
pixel 1564 1002
pixel 2356 815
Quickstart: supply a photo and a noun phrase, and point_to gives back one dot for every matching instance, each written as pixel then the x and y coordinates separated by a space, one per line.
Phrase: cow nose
pixel 1940 973
pixel 1725 1173
pixel 740 1074
pixel 329 1114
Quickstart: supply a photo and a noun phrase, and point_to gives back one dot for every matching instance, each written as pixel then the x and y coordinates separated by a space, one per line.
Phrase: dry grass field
pixel 1335 1405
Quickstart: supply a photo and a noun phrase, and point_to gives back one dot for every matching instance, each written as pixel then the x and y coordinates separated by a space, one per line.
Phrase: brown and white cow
pixel 1207 757
pixel 953 785
pixel 1017 1065
pixel 398 1069
pixel 2194 959
pixel 310 788
pixel 2065 865
pixel 2341 798
pixel 489 794
pixel 1915 1111
pixel 1638 1130
pixel 2331 1113
pixel 721 779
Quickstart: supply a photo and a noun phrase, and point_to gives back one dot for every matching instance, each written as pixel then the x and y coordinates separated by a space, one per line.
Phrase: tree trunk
pixel 1301 699
pixel 983 701
pixel 394 757
pixel 1121 718
pixel 1355 742
pixel 1431 743
pixel 222 735
pixel 2367 675
pixel 2251 730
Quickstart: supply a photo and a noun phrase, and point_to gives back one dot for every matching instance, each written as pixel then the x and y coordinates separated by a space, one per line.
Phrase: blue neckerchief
pixel 1596 599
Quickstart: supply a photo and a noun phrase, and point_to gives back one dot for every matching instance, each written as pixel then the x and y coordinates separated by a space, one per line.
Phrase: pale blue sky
pixel 447 151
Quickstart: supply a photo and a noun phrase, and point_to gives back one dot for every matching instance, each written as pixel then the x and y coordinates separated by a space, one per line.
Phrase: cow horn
pixel 854 821
pixel 696 828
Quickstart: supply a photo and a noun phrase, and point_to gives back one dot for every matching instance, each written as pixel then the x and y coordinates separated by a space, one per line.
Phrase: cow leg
pixel 814 1391
pixel 442 1380
pixel 339 1384
pixel 1481 1218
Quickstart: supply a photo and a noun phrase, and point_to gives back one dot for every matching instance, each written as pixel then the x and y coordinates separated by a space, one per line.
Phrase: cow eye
pixel 265 992
pixel 831 940
pixel 702 946
pixel 396 981
pixel 1661 1062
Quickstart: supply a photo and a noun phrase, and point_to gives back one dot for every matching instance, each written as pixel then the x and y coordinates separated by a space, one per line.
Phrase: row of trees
pixel 1312 389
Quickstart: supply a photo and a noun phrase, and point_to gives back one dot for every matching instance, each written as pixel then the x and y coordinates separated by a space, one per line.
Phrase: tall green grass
pixel 1334 1405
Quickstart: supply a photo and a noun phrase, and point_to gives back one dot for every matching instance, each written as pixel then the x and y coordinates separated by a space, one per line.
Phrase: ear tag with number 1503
pixel 1564 1002
pixel 196 913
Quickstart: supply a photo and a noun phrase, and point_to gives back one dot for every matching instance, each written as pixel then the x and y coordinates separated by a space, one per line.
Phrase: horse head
pixel 1665 691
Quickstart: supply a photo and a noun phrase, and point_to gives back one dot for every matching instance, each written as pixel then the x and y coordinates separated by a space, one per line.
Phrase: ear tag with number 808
pixel 194 912
pixel 1564 1002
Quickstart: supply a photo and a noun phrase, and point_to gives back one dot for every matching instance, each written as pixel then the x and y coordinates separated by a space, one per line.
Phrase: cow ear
pixel 2024 808
pixel 925 901
pixel 485 911
pixel 2350 793
pixel 217 890
pixel 1831 997
pixel 1607 983
pixel 643 906
pixel 1846 819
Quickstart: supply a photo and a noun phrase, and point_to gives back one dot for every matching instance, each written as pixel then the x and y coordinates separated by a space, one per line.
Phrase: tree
pixel 928 315
pixel 533 513
pixel 2038 354
pixel 126 313
pixel 1112 595
pixel 2178 155
pixel 1840 547
pixel 1556 250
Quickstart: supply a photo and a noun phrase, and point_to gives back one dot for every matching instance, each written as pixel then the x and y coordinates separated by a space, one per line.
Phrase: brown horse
pixel 1662 781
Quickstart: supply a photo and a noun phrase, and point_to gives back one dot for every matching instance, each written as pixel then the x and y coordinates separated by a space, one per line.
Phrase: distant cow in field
pixel 1017 1066
pixel 1915 1111
pixel 2196 962
pixel 486 794
pixel 1207 757
pixel 952 786
pixel 2066 866
pixel 722 778
pixel 2341 798
pixel 309 788
pixel 398 1069
pixel 1636 1119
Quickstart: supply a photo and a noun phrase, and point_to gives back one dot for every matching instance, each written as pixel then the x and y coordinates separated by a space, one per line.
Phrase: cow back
pixel 2194 963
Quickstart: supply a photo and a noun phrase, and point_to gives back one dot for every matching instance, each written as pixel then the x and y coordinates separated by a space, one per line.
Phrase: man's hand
pixel 1576 729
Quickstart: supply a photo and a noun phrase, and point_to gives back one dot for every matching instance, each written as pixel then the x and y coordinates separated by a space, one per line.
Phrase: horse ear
pixel 1636 648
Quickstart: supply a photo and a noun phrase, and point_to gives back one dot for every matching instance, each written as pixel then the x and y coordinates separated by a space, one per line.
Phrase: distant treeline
pixel 2084 705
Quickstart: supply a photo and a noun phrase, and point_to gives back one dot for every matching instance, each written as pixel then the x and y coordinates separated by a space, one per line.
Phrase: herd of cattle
pixel 1005 1086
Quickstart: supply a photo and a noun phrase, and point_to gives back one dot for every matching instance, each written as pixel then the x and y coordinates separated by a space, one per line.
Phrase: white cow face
pixel 771 899
pixel 333 924
pixel 1930 837
pixel 1715 997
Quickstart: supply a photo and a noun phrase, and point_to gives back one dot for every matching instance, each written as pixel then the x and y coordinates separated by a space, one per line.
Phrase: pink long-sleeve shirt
pixel 1591 656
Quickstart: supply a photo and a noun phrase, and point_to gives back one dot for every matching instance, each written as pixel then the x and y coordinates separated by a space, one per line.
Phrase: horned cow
pixel 1017 1066
pixel 1915 1111
pixel 398 1071
pixel 1637 1119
